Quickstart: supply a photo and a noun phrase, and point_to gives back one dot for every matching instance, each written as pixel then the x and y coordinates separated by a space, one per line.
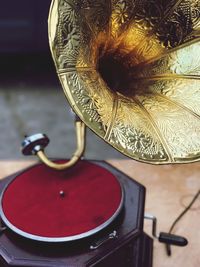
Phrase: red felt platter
pixel 51 206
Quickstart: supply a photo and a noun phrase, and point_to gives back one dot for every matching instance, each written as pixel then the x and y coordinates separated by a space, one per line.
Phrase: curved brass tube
pixel 80 135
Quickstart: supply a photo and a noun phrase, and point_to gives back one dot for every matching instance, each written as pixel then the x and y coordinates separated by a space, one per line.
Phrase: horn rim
pixel 163 155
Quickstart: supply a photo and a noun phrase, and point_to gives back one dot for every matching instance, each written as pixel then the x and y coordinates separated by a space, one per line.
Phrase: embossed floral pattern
pixel 157 118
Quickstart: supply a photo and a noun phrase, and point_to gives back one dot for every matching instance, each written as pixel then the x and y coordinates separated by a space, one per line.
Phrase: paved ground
pixel 31 101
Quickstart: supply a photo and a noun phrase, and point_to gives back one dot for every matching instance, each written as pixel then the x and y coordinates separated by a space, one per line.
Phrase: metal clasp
pixel 2 228
pixel 97 244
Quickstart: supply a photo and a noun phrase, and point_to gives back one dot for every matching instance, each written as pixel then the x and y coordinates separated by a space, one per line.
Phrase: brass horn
pixel 130 69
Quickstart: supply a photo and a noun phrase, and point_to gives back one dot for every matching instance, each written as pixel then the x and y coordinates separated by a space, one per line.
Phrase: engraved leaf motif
pixel 69 35
pixel 157 34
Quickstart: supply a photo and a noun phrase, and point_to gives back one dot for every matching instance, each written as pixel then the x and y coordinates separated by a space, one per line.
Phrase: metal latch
pixel 101 242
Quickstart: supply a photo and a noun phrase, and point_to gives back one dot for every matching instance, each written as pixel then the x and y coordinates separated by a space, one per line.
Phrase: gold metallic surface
pixel 80 136
pixel 152 112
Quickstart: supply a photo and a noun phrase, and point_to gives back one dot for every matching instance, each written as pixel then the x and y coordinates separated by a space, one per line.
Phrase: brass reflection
pixel 130 69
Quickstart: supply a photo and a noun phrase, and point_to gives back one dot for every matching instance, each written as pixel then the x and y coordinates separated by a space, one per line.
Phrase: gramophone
pixel 130 71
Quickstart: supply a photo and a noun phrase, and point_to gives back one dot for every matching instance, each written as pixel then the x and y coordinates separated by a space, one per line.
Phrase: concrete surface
pixel 32 101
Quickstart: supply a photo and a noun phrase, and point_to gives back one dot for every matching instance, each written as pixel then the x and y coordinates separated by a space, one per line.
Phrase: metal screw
pixel 62 193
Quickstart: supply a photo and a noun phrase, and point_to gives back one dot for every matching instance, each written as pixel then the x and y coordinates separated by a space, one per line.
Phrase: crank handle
pixel 166 238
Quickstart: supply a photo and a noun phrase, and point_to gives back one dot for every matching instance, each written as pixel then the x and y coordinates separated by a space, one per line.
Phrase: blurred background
pixel 31 98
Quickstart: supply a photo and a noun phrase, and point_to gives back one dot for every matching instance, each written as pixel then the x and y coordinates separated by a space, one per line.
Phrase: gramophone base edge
pixel 133 248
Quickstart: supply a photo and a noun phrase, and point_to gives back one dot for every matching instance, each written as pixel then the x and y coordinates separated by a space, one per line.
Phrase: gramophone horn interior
pixel 130 70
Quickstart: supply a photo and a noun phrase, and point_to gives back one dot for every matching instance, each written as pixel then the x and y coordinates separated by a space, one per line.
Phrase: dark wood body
pixel 132 247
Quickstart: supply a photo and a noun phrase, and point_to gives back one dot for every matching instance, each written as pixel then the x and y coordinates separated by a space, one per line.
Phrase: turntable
pixel 130 73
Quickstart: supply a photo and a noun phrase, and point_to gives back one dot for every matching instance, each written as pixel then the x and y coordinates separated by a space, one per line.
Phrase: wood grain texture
pixel 169 188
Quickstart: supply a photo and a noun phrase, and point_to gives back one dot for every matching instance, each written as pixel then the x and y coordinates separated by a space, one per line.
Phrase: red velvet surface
pixel 33 204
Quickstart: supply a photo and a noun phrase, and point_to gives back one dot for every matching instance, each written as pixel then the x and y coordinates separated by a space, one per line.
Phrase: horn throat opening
pixel 115 73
